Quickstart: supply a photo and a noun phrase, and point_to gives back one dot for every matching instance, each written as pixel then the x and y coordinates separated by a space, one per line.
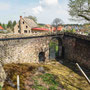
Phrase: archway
pixel 41 56
pixel 55 48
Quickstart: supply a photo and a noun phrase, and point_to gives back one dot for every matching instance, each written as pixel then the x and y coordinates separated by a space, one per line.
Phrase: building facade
pixel 24 26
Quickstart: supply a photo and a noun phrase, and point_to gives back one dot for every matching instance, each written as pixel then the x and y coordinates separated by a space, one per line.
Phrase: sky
pixel 45 10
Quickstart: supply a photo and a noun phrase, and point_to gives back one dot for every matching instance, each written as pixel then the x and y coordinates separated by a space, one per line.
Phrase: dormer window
pixel 23 22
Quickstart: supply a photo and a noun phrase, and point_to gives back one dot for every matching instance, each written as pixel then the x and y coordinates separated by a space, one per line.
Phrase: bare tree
pixel 56 22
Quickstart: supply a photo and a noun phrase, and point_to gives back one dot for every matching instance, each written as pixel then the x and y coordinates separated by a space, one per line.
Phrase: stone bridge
pixel 28 49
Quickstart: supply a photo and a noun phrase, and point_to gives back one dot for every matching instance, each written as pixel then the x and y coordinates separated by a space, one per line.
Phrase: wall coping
pixel 6 37
pixel 24 36
pixel 79 36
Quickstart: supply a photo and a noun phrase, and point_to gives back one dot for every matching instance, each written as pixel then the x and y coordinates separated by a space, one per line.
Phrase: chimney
pixel 21 25
pixel 20 17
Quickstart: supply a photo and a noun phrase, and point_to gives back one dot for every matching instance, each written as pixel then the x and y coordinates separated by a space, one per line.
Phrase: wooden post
pixel 18 86
pixel 83 73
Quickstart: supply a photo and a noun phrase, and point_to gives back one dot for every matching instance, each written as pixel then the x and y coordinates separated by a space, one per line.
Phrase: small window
pixel 26 26
pixel 18 31
pixel 29 31
pixel 23 22
pixel 18 26
pixel 25 31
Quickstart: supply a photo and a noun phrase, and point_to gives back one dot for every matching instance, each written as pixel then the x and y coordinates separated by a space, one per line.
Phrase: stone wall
pixel 24 50
pixel 77 49
pixel 2 75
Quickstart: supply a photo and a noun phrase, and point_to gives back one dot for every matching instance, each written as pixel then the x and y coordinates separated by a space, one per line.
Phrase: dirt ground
pixel 45 76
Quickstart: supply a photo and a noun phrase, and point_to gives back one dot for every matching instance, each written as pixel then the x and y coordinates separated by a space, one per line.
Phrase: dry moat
pixel 51 75
pixel 45 76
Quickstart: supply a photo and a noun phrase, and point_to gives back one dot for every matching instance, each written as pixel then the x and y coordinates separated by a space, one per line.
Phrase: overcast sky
pixel 44 10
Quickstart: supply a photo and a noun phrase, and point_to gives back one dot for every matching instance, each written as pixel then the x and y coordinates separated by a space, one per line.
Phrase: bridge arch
pixel 55 48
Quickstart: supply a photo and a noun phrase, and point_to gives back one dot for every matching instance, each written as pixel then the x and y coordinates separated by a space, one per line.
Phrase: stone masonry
pixel 24 50
pixel 2 75
pixel 77 49
pixel 73 47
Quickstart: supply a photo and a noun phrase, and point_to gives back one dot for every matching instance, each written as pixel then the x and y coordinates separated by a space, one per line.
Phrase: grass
pixel 70 79
pixel 49 79
pixel 56 77
pixel 23 70
pixel 47 82
pixel 54 46
pixel 39 87
pixel 0 88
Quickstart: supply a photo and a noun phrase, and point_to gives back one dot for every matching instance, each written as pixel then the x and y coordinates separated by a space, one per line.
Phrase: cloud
pixel 37 9
pixel 52 9
pixel 4 6
pixel 47 10
pixel 49 2
pixel 44 4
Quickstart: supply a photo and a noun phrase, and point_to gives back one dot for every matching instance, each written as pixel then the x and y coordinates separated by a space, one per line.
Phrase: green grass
pixel 39 87
pixel 53 88
pixel 36 85
pixel 0 88
pixel 49 79
pixel 46 79
pixel 55 47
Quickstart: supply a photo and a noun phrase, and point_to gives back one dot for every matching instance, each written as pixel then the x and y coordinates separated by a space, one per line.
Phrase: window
pixel 23 22
pixel 18 31
pixel 29 31
pixel 18 26
pixel 26 26
pixel 25 31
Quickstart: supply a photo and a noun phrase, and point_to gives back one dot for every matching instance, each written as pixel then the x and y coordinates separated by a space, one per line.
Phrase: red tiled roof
pixel 40 29
pixel 47 25
pixel 1 27
pixel 44 29
pixel 59 28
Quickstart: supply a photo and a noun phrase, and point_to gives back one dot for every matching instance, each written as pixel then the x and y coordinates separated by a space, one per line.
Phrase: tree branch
pixel 88 11
pixel 85 17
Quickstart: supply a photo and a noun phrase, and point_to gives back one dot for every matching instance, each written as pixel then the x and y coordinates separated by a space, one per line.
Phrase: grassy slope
pixel 66 77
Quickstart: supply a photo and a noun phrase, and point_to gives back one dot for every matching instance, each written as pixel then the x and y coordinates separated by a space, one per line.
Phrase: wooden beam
pixel 83 73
